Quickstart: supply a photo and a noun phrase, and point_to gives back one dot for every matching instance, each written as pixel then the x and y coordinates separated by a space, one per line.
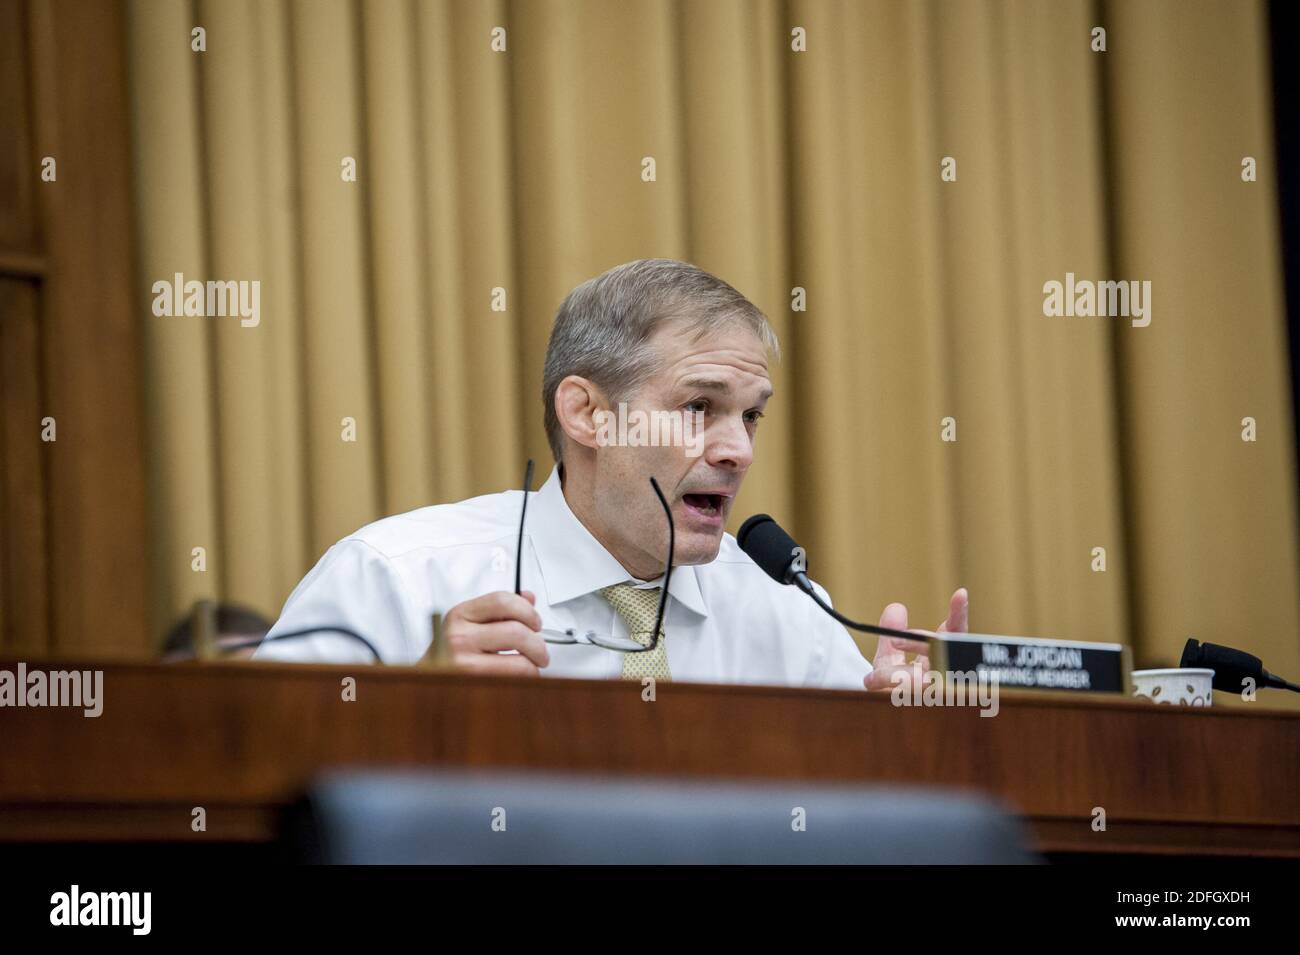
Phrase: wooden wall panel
pixel 72 514
pixel 24 563
pixel 17 183
pixel 91 342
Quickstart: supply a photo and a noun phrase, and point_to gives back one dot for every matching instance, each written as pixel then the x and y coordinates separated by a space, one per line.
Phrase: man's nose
pixel 729 446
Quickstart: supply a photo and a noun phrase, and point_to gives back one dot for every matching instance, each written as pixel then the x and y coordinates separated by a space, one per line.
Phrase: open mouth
pixel 705 505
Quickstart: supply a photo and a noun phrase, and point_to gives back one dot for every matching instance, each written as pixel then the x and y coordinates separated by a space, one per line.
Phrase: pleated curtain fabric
pixel 1084 477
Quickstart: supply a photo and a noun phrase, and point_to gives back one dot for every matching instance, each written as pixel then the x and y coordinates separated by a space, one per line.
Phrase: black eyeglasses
pixel 608 641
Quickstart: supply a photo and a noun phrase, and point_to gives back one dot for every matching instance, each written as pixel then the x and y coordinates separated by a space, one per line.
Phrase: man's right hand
pixel 477 630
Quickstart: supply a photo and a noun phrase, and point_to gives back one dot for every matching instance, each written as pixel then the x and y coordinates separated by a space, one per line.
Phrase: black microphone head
pixel 768 546
pixel 1230 666
pixel 750 523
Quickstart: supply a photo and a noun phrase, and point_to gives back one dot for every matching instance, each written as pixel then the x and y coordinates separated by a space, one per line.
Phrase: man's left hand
pixel 891 652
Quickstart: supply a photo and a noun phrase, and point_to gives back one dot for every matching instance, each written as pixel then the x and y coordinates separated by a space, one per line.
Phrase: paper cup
pixel 1182 687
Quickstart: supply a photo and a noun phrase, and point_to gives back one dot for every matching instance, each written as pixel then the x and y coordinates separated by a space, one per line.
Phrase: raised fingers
pixel 958 613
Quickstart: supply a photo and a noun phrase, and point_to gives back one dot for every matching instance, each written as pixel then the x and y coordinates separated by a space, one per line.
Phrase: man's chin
pixel 696 548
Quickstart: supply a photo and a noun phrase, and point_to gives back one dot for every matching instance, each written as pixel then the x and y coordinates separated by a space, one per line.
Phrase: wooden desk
pixel 243 739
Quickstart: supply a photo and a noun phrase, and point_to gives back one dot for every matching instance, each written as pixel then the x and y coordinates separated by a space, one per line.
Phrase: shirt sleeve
pixel 845 666
pixel 356 587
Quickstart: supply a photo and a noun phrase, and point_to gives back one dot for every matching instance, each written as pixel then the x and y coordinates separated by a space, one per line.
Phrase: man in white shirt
pixel 653 341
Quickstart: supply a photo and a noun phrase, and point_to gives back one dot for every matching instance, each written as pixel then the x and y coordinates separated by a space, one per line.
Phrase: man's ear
pixel 579 406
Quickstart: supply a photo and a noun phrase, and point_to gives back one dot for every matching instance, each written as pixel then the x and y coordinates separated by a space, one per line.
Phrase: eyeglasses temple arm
pixel 668 570
pixel 519 548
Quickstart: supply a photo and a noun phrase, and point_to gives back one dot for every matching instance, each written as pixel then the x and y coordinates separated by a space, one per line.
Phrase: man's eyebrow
pixel 706 384
pixel 716 384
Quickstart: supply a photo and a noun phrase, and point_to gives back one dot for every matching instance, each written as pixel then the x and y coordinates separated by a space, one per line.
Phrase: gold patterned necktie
pixel 638 606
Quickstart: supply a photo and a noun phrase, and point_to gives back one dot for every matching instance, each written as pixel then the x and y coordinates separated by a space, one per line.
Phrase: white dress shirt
pixel 726 621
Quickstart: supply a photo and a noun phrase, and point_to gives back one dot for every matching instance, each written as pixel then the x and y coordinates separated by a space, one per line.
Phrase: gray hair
pixel 603 327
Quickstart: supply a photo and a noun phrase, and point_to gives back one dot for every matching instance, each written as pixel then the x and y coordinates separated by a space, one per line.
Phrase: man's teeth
pixel 704 503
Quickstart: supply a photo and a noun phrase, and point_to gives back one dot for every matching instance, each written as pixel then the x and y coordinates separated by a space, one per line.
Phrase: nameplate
pixel 1030 663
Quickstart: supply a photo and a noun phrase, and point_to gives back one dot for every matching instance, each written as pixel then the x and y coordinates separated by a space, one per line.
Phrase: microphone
pixel 769 546
pixel 1231 667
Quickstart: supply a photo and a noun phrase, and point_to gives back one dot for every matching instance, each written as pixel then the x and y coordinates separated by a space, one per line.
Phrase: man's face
pixel 717 388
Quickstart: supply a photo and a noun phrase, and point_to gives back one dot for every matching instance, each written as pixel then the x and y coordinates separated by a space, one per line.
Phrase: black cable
pixel 803 583
pixel 293 634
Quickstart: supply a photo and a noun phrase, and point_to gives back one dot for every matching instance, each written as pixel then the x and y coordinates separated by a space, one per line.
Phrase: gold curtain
pixel 521 171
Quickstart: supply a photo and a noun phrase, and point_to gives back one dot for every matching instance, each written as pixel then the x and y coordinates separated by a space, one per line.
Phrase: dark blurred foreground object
pixel 215 631
pixel 404 817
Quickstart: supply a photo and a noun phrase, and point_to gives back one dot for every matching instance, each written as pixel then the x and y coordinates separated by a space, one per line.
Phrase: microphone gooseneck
pixel 775 551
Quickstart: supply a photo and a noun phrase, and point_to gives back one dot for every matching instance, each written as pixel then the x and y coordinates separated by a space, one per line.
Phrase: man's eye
pixel 698 405
pixel 753 416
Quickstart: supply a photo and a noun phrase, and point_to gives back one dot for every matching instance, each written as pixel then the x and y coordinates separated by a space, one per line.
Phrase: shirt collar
pixel 574 563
